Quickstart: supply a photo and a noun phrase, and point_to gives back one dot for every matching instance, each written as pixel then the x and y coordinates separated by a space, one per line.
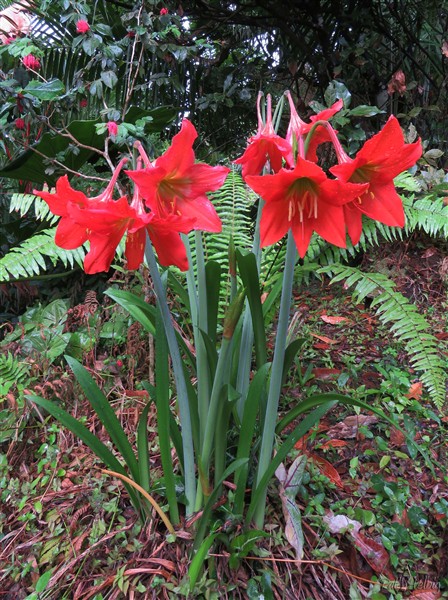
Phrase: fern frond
pixel 407 324
pixel 233 202
pixel 429 214
pixel 23 203
pixel 28 259
pixel 12 372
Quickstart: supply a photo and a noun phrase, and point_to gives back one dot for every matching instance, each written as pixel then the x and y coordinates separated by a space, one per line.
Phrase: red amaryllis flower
pixel 31 62
pixel 82 26
pixel 298 129
pixel 106 222
pixel 112 128
pixel 304 200
pixel 69 233
pixel 382 158
pixel 265 146
pixel 175 185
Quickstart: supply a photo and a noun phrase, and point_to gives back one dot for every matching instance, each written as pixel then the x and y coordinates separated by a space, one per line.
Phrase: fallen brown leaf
pixel 348 428
pixel 374 553
pixel 334 320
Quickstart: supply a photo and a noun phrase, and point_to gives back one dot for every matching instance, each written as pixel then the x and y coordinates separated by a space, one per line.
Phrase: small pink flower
pixel 9 40
pixel 31 62
pixel 112 128
pixel 19 123
pixel 82 26
pixel 119 363
pixel 83 102
pixel 163 11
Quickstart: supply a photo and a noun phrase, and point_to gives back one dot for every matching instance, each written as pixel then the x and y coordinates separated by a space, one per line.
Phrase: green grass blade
pixel 106 414
pixel 81 432
pixel 251 408
pixel 142 448
pixel 174 428
pixel 198 560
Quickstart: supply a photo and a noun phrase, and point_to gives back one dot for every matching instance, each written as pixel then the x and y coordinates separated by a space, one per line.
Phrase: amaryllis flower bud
pixel 112 128
pixel 31 62
pixel 19 123
pixel 82 26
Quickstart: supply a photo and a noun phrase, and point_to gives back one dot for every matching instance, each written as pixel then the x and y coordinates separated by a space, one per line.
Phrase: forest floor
pixel 374 510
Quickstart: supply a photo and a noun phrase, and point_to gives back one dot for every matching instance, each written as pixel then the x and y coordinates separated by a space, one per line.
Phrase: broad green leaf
pixel 363 110
pixel 45 90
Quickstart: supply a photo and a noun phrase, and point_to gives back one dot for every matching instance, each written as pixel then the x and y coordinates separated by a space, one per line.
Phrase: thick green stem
pixel 275 384
pixel 182 394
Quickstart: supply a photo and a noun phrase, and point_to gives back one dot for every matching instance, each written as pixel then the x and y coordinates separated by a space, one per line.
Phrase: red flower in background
pixel 82 26
pixel 31 62
pixel 112 128
pixel 265 146
pixel 397 83
pixel 379 161
pixel 19 123
pixel 163 11
pixel 303 200
pixel 175 185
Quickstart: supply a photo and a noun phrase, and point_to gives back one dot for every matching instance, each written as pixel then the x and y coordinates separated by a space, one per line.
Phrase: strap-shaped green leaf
pixel 81 432
pixel 107 416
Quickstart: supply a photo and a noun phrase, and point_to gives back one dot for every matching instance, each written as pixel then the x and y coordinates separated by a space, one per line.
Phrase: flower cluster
pixel 299 195
pixel 31 62
pixel 169 199
pixel 82 26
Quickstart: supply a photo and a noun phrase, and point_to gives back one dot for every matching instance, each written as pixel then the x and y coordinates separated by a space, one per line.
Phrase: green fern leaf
pixel 233 202
pixel 28 259
pixel 23 203
pixel 429 214
pixel 408 325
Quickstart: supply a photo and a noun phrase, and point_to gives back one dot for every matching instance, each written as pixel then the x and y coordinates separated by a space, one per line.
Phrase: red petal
pixel 327 113
pixel 180 155
pixel 70 235
pixel 260 150
pixel 102 251
pixel 201 212
pixel 273 225
pixel 382 203
pixel 64 194
pixel 353 221
pixel 135 248
pixel 330 224
pixel 203 178
pixel 169 247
